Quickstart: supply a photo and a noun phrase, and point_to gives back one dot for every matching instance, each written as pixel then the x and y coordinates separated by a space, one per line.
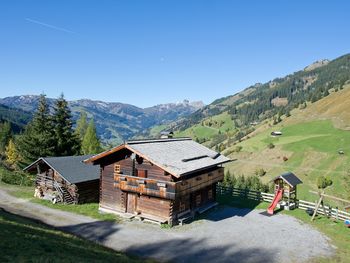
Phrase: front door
pixel 131 203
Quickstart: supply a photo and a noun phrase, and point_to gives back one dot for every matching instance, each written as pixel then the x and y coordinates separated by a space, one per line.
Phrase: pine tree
pixel 82 125
pixel 37 139
pixel 67 142
pixel 5 135
pixel 12 155
pixel 91 143
pixel 227 179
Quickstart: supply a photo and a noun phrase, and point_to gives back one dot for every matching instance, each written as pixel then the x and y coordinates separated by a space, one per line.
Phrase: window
pixel 198 200
pixel 142 173
pixel 117 169
pixel 210 194
pixel 182 207
pixel 116 172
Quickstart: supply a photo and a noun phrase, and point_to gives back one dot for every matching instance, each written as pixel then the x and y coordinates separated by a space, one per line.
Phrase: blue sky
pixel 150 52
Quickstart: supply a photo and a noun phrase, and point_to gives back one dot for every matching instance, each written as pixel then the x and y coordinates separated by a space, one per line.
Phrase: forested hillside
pixel 16 117
pixel 114 121
pixel 315 144
pixel 259 102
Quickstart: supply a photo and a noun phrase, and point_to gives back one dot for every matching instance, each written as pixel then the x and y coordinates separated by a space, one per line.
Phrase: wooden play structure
pixel 285 192
pixel 320 204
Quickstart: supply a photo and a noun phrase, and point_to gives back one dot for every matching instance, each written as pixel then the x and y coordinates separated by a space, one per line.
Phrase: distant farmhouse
pixel 162 180
pixel 65 179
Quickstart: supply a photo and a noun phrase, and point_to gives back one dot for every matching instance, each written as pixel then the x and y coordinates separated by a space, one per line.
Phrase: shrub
pixel 270 145
pixel 323 182
pixel 16 177
pixel 260 172
pixel 285 158
pixel 242 182
pixel 238 148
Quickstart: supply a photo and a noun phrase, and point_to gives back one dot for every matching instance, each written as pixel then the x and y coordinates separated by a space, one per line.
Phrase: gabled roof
pixel 71 168
pixel 289 178
pixel 177 156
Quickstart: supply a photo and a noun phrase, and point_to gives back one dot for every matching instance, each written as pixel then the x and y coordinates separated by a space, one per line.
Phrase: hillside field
pixel 209 127
pixel 312 149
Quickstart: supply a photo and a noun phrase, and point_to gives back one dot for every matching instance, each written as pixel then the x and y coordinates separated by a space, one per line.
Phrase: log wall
pixel 153 171
pixel 88 192
pixel 110 197
pixel 153 206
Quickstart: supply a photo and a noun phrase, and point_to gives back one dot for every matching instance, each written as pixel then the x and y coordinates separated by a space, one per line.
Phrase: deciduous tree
pixel 91 143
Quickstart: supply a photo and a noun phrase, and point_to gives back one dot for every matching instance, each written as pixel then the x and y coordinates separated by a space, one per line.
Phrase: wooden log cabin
pixel 65 179
pixel 162 180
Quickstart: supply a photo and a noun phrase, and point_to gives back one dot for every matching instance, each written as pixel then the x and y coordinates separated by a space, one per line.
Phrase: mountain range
pixel 114 121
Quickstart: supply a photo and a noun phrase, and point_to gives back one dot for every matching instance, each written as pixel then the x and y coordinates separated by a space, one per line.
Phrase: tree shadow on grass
pixel 26 240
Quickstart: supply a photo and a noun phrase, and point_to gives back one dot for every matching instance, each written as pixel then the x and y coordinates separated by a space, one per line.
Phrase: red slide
pixel 275 201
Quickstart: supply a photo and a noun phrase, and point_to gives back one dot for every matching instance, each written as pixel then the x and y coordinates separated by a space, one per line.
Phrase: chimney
pixel 166 134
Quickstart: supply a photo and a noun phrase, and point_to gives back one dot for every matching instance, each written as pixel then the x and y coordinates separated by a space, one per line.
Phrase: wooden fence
pixel 324 210
pixel 266 197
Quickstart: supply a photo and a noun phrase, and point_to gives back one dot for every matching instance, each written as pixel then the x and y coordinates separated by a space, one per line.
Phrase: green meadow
pixel 313 149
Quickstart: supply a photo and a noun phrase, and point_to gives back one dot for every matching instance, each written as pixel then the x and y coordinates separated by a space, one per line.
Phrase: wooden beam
pixel 332 197
pixel 317 206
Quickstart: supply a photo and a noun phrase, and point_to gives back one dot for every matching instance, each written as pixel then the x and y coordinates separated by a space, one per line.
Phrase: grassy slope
pixel 23 240
pixel 310 141
pixel 205 131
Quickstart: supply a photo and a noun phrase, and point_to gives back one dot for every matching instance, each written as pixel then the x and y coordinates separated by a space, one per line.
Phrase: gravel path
pixel 226 235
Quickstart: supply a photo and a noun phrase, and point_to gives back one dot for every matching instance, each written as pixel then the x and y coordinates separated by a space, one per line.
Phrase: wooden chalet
pixel 65 179
pixel 163 180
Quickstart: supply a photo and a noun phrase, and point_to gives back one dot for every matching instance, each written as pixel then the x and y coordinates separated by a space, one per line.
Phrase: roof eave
pixel 33 163
pixel 104 154
pixel 203 168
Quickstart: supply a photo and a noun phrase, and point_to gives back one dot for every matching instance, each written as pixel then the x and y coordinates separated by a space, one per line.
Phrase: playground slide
pixel 275 201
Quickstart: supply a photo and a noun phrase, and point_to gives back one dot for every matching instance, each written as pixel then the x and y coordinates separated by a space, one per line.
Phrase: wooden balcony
pixel 145 186
pixel 185 187
pixel 165 189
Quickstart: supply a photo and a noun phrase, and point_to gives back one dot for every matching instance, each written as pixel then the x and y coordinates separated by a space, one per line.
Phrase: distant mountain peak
pixel 317 64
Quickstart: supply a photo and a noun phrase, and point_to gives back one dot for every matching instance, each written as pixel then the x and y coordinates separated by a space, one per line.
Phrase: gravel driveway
pixel 226 235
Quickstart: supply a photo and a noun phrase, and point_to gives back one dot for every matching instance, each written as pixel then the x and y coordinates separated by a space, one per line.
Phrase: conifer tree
pixel 82 125
pixel 37 139
pixel 66 141
pixel 91 143
pixel 5 135
pixel 12 155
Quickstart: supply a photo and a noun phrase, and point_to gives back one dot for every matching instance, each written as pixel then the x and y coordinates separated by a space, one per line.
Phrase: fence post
pixel 337 216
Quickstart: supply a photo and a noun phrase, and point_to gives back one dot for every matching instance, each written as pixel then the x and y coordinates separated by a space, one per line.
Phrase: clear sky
pixel 150 52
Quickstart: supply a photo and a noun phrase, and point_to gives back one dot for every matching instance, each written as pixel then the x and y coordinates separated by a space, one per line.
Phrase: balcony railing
pixel 145 186
pixel 165 189
pixel 200 181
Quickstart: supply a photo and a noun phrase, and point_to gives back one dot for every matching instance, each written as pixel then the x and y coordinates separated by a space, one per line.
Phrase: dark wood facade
pixel 51 185
pixel 145 190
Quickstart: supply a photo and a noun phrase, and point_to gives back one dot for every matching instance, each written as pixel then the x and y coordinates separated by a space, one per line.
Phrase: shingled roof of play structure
pixel 289 178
